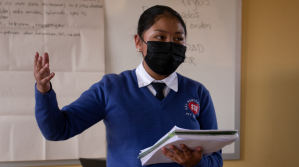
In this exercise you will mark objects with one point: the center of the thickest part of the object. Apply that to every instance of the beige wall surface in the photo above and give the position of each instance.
(269, 84)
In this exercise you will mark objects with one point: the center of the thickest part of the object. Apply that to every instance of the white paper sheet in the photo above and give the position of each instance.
(209, 144)
(72, 32)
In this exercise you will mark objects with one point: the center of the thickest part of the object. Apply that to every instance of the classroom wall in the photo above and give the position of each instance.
(269, 84)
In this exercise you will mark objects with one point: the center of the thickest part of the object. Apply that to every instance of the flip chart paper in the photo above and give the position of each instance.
(72, 32)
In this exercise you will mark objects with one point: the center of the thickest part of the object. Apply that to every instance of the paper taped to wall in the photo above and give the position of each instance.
(72, 32)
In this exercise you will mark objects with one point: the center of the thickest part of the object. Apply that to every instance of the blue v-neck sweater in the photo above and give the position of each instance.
(134, 118)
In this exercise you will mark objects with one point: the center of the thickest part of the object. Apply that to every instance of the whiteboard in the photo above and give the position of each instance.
(213, 54)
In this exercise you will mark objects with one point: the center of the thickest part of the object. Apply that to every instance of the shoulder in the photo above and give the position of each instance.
(190, 83)
(112, 83)
(116, 80)
(125, 75)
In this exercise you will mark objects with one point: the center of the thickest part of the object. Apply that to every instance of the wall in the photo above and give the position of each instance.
(270, 84)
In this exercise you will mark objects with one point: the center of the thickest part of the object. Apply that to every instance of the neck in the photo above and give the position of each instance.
(152, 73)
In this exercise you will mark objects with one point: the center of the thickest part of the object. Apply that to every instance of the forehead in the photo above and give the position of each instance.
(167, 23)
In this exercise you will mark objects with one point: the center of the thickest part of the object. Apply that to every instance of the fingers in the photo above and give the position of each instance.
(186, 150)
(41, 67)
(39, 63)
(35, 59)
(198, 152)
(186, 157)
(176, 151)
(43, 70)
(177, 155)
(45, 59)
(47, 79)
(168, 153)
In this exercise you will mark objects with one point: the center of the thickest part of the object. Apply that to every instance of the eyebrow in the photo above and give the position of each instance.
(179, 32)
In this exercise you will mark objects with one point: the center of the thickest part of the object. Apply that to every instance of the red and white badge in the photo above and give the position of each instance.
(192, 105)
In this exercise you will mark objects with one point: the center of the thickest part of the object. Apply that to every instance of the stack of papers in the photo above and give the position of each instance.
(209, 140)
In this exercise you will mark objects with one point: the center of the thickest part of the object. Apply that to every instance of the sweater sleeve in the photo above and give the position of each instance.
(56, 124)
(207, 120)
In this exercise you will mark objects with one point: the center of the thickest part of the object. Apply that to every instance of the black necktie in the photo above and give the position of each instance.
(159, 87)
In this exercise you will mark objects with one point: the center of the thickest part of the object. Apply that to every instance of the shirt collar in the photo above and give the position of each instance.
(144, 79)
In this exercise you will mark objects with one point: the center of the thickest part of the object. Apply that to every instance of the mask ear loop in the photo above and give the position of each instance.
(142, 39)
(144, 42)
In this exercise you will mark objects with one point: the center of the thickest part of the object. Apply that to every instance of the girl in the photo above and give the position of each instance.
(138, 106)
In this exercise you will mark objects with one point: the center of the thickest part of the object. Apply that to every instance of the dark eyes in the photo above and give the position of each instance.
(160, 37)
(177, 39)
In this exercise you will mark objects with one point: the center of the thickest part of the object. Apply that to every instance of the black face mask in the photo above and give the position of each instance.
(164, 57)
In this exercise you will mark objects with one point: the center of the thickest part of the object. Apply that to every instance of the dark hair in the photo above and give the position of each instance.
(149, 17)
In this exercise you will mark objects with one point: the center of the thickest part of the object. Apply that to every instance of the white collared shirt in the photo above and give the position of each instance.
(144, 79)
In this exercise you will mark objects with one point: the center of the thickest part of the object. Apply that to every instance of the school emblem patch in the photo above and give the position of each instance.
(192, 105)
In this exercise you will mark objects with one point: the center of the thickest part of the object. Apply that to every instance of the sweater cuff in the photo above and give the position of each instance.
(49, 92)
(202, 162)
(42, 98)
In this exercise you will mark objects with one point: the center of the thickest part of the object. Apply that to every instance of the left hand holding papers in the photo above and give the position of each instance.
(187, 157)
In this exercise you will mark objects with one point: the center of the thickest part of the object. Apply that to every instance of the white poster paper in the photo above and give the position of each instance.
(72, 32)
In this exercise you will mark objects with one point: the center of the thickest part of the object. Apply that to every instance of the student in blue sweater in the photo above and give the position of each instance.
(151, 98)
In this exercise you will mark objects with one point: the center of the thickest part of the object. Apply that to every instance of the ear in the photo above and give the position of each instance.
(138, 42)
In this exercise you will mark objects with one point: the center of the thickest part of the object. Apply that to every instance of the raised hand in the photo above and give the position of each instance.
(187, 157)
(42, 72)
